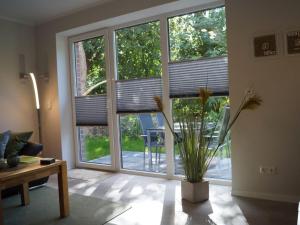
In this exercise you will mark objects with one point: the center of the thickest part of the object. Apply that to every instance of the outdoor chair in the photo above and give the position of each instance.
(161, 124)
(153, 136)
(160, 120)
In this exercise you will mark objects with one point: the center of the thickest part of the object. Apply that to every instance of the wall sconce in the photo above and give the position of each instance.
(23, 76)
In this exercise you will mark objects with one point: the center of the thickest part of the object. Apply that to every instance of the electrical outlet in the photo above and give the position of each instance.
(268, 170)
(272, 170)
(262, 170)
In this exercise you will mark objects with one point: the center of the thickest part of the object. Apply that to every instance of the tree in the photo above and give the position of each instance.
(191, 36)
(95, 61)
(196, 35)
(138, 51)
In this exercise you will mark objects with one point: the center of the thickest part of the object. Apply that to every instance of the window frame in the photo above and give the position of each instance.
(111, 101)
(72, 41)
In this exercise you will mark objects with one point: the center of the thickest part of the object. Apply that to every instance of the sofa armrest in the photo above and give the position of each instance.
(31, 149)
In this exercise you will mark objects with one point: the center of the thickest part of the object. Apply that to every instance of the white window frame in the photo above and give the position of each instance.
(99, 33)
(112, 77)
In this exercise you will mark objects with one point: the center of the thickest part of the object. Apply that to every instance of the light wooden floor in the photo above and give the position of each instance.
(157, 201)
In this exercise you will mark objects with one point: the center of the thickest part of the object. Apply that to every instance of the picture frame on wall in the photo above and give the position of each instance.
(292, 42)
(266, 46)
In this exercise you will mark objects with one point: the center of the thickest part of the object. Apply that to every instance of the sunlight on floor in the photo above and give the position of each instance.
(156, 201)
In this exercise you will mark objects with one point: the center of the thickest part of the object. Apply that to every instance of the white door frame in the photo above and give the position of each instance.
(72, 40)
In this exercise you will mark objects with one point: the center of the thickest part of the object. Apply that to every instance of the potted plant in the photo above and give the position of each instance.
(196, 138)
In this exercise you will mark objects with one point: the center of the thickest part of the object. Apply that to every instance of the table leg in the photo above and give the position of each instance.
(25, 194)
(63, 190)
(149, 149)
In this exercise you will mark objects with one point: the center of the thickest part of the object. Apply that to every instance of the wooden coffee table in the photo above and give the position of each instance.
(24, 173)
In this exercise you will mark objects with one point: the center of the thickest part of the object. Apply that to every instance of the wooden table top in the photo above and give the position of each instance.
(26, 169)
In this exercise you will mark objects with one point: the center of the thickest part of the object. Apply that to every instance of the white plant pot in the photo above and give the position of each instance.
(195, 192)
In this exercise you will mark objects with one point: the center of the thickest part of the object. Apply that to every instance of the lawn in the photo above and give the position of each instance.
(97, 147)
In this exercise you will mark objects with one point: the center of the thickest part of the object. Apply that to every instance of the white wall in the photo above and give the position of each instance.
(268, 136)
(17, 107)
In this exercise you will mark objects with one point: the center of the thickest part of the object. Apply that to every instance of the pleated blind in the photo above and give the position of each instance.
(137, 95)
(186, 78)
(91, 110)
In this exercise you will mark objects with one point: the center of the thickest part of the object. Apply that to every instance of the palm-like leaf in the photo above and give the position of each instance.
(196, 133)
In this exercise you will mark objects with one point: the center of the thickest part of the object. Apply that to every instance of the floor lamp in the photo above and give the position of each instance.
(25, 75)
(37, 103)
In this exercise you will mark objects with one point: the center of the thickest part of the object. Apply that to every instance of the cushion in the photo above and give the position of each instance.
(16, 142)
(4, 137)
(31, 149)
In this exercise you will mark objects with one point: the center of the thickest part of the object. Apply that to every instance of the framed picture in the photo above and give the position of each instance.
(292, 42)
(265, 45)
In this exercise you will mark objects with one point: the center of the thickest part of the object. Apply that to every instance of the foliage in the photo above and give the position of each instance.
(195, 140)
(96, 147)
(191, 36)
(132, 144)
(138, 55)
(191, 105)
(138, 51)
(130, 126)
(95, 62)
(199, 34)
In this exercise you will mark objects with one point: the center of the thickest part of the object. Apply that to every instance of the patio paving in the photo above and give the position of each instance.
(220, 168)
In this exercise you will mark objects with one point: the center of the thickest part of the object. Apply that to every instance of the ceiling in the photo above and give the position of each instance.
(35, 12)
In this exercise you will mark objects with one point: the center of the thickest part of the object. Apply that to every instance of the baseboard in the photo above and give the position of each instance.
(266, 196)
(219, 181)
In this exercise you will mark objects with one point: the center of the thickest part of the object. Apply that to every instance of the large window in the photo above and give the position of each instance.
(91, 109)
(123, 89)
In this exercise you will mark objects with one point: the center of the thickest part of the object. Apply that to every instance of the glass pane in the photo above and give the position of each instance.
(94, 144)
(138, 51)
(196, 35)
(90, 81)
(220, 167)
(142, 142)
(141, 138)
(90, 67)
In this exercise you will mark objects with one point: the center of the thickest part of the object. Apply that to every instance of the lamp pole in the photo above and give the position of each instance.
(39, 125)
